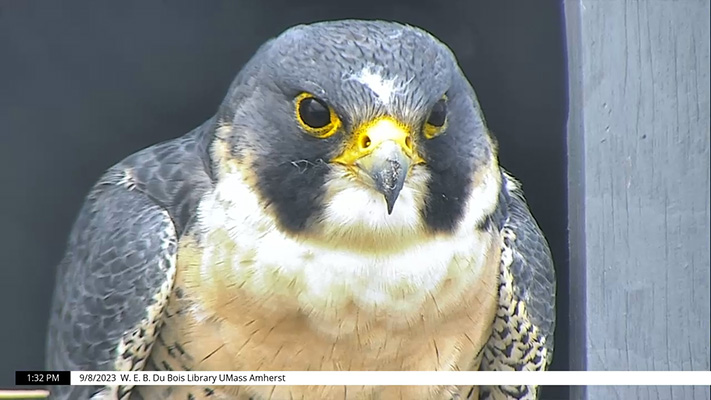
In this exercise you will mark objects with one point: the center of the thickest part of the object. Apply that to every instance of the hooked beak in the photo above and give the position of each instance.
(388, 167)
(383, 151)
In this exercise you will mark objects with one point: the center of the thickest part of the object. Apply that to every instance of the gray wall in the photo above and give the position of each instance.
(638, 141)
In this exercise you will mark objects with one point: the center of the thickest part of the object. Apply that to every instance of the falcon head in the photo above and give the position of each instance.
(345, 129)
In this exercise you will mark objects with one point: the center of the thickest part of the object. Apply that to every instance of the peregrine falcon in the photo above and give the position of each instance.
(344, 209)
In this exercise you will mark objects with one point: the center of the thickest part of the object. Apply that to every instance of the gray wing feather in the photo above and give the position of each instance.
(117, 267)
(532, 267)
(522, 332)
(112, 272)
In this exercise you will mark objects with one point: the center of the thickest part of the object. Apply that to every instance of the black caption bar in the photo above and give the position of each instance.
(42, 378)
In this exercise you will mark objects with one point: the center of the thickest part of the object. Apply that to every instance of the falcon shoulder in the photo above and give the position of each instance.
(118, 270)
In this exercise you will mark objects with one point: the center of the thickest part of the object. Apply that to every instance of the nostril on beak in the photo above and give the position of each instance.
(365, 142)
(408, 142)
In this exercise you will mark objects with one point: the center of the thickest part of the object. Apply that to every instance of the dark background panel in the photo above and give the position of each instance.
(84, 84)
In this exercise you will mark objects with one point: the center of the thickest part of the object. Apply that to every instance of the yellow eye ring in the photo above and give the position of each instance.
(437, 119)
(315, 116)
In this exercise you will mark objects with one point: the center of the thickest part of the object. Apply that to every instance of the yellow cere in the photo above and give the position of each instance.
(370, 135)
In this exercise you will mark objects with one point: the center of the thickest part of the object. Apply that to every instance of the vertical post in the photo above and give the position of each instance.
(639, 190)
(576, 197)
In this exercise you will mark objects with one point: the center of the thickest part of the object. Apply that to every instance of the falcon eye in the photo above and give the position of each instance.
(437, 119)
(314, 113)
(438, 114)
(315, 116)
